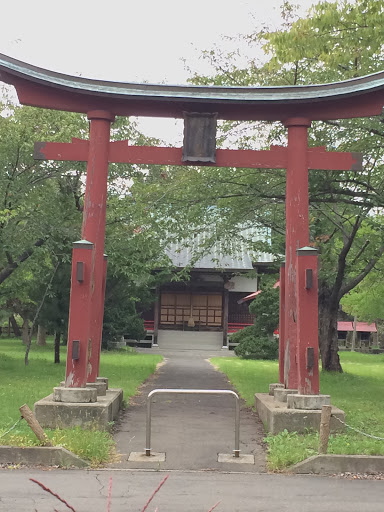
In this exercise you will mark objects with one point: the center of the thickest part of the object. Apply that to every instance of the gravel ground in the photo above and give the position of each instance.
(360, 476)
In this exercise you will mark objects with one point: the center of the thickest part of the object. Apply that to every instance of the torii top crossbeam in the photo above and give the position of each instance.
(359, 97)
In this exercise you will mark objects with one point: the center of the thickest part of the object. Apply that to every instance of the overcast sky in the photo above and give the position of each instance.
(128, 41)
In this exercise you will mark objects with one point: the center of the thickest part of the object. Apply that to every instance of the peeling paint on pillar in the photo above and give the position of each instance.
(93, 229)
(307, 329)
(80, 315)
(297, 229)
(282, 339)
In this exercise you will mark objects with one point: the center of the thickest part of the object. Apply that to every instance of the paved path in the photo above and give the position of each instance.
(191, 429)
(87, 491)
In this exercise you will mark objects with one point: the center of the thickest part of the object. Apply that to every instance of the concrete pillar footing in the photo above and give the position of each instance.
(274, 386)
(101, 387)
(281, 394)
(308, 402)
(103, 379)
(74, 395)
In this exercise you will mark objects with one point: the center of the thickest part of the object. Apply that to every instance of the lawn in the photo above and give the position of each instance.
(26, 384)
(358, 391)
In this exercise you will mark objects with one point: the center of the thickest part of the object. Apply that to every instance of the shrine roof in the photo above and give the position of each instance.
(49, 89)
(360, 326)
(233, 255)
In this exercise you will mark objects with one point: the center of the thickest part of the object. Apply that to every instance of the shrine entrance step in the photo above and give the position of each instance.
(190, 340)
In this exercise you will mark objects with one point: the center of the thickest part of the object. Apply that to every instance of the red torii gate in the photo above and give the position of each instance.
(295, 107)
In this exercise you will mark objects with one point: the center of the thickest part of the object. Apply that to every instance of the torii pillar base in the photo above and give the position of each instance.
(59, 410)
(278, 416)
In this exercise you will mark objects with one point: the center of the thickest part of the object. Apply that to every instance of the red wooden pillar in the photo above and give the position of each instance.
(307, 321)
(297, 233)
(225, 316)
(99, 319)
(282, 325)
(81, 313)
(95, 204)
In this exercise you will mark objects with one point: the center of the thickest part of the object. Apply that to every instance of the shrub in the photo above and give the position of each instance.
(266, 310)
(118, 323)
(253, 346)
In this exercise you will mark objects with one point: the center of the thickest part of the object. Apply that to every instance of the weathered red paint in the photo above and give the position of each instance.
(297, 233)
(282, 324)
(80, 315)
(93, 229)
(99, 320)
(307, 323)
(122, 152)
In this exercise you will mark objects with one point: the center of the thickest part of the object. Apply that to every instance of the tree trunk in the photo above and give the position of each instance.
(57, 347)
(41, 336)
(24, 330)
(328, 342)
(15, 327)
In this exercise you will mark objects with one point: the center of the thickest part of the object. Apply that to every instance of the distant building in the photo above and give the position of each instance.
(366, 335)
(200, 312)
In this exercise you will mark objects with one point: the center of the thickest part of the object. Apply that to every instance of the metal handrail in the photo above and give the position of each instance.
(193, 392)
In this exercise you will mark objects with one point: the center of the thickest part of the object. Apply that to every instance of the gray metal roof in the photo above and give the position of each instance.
(222, 255)
(276, 94)
(48, 89)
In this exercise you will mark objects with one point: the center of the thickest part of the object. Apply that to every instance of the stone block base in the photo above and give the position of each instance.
(281, 394)
(103, 379)
(100, 386)
(100, 414)
(277, 417)
(276, 385)
(311, 402)
(74, 395)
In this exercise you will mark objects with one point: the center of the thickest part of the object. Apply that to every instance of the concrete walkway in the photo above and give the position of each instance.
(191, 429)
(88, 491)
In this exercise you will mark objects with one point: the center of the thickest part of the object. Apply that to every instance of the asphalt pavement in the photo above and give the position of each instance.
(191, 430)
(87, 491)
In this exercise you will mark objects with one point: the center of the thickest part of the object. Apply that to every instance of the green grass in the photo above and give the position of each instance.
(358, 391)
(26, 384)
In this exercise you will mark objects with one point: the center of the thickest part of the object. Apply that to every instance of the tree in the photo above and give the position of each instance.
(366, 301)
(54, 311)
(41, 207)
(336, 41)
(39, 201)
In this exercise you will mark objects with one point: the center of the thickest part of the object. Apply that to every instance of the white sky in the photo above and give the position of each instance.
(129, 41)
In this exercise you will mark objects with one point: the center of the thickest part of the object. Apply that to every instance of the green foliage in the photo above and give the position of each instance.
(120, 320)
(345, 37)
(41, 206)
(252, 345)
(249, 377)
(257, 341)
(265, 307)
(95, 446)
(279, 457)
(366, 301)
